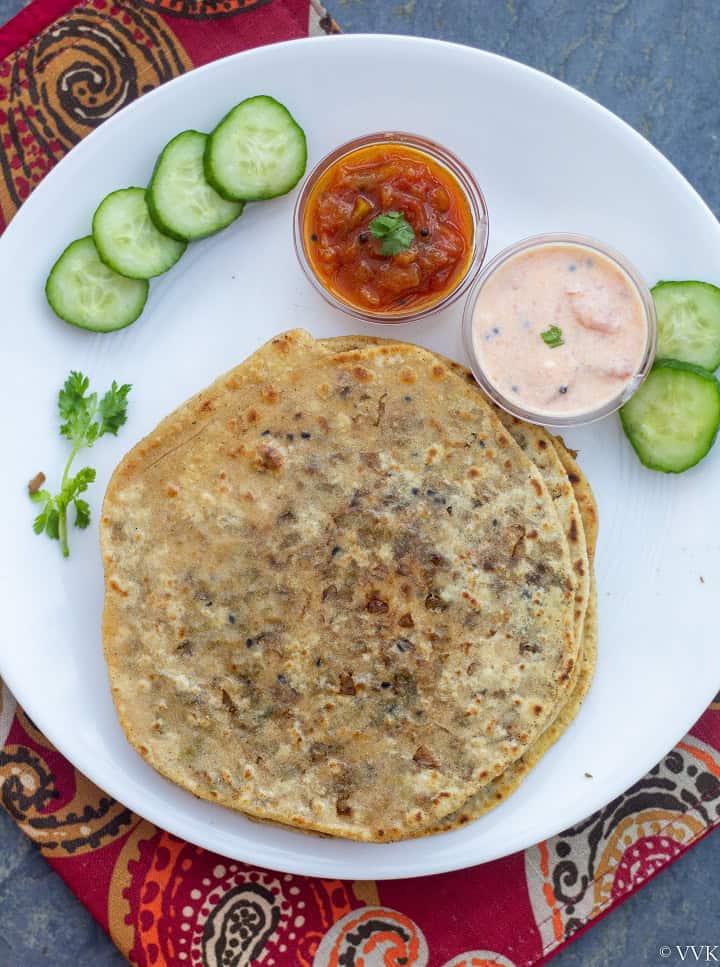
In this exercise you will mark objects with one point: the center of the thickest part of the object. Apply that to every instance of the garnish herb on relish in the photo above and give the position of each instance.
(84, 420)
(395, 231)
(552, 337)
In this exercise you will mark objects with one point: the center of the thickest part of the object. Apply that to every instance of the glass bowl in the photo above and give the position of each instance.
(591, 413)
(462, 176)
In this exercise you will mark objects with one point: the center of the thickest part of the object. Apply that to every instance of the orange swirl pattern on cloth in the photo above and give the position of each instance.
(203, 9)
(79, 72)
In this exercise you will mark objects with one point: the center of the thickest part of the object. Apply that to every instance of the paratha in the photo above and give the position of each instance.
(338, 594)
(576, 508)
(499, 789)
(539, 445)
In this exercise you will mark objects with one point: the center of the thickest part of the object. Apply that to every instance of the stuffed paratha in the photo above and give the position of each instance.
(338, 595)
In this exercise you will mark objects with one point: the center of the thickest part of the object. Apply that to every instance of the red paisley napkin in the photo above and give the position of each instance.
(63, 69)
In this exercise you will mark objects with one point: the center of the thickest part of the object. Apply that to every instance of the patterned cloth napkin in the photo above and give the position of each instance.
(64, 68)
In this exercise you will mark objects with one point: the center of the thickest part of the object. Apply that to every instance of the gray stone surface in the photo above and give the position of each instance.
(655, 63)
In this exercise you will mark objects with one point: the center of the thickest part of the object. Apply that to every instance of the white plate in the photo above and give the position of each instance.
(548, 159)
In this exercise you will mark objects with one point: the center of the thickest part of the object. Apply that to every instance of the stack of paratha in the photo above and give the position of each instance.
(345, 594)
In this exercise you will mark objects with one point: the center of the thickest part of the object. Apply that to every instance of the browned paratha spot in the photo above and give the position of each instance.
(406, 621)
(207, 406)
(537, 486)
(407, 375)
(270, 394)
(284, 343)
(439, 372)
(171, 490)
(116, 587)
(269, 457)
(578, 566)
(323, 391)
(343, 808)
(502, 440)
(542, 444)
(537, 709)
(431, 454)
(347, 685)
(228, 703)
(252, 415)
(435, 602)
(424, 758)
(363, 375)
(508, 465)
(573, 478)
(532, 535)
(473, 473)
(573, 530)
(376, 605)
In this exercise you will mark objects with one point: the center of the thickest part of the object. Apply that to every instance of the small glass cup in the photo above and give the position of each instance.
(545, 418)
(469, 187)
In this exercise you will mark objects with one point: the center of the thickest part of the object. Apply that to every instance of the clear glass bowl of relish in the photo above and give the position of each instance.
(391, 227)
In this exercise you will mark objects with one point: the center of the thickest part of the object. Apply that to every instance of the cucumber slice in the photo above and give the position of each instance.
(673, 419)
(83, 291)
(257, 151)
(688, 322)
(181, 202)
(127, 239)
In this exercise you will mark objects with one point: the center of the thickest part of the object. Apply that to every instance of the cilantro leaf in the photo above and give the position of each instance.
(52, 525)
(47, 520)
(79, 483)
(395, 231)
(82, 513)
(40, 521)
(76, 408)
(113, 408)
(552, 337)
(83, 421)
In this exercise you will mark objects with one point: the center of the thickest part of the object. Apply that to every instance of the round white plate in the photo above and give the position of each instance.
(548, 160)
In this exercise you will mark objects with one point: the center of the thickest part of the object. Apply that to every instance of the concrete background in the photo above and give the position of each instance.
(656, 64)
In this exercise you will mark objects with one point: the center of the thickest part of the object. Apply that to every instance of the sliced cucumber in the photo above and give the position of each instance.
(181, 202)
(257, 151)
(673, 419)
(689, 322)
(82, 290)
(127, 239)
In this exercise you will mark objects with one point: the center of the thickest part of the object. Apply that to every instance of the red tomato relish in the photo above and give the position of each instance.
(346, 256)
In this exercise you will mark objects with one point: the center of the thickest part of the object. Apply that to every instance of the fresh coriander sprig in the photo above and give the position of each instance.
(552, 337)
(85, 418)
(395, 231)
